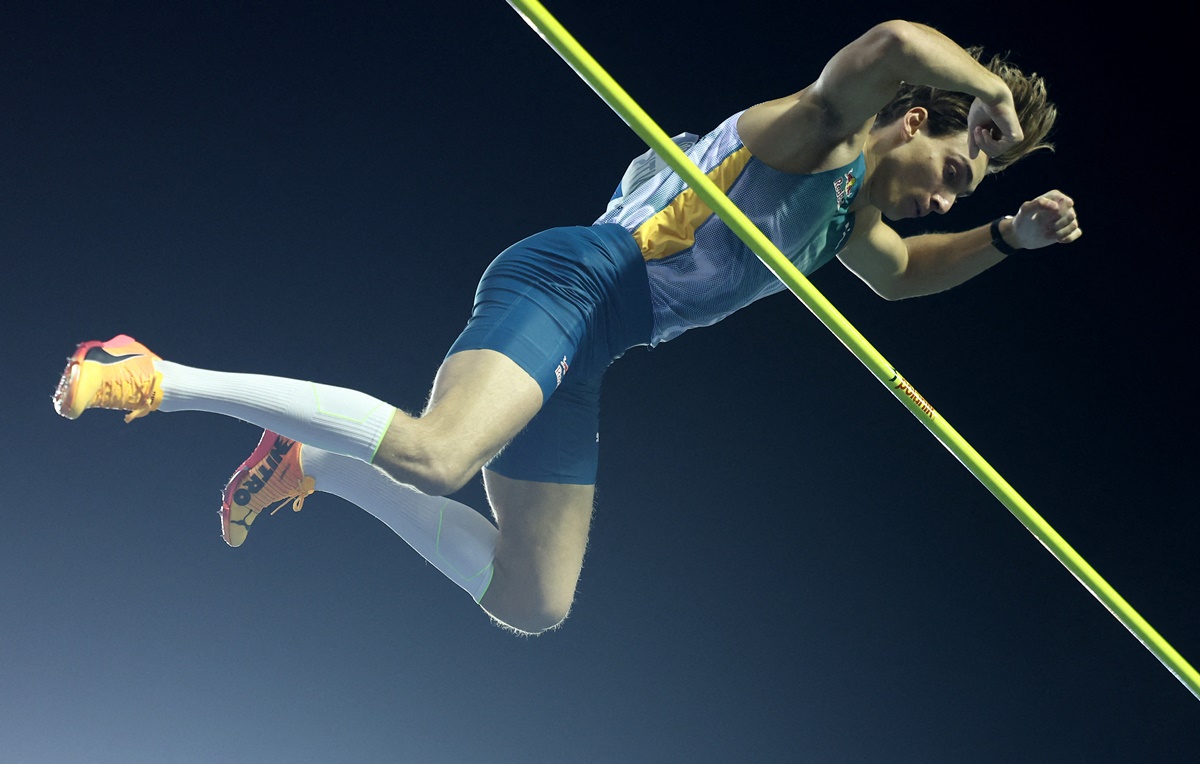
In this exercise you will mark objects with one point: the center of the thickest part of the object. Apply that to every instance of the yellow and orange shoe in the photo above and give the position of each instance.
(118, 374)
(273, 476)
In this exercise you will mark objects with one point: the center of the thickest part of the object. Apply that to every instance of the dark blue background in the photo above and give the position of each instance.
(785, 566)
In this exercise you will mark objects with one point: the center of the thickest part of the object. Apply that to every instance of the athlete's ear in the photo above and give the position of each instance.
(912, 121)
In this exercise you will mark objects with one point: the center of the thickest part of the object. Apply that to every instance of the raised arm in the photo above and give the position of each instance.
(827, 122)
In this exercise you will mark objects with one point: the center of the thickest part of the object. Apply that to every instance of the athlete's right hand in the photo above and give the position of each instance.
(1048, 219)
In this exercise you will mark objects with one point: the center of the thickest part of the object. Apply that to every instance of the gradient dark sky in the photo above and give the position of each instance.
(785, 566)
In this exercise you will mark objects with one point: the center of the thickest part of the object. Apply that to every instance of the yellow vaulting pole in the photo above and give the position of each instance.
(615, 96)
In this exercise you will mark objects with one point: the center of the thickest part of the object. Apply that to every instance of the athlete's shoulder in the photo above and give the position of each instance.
(798, 134)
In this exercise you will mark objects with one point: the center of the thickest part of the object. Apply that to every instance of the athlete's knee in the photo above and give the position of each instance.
(433, 465)
(535, 618)
(528, 602)
(442, 477)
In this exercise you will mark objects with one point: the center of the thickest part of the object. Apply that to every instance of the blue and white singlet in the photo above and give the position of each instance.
(699, 270)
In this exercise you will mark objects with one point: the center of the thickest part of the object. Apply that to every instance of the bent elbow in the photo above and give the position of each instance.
(905, 289)
(891, 289)
(892, 38)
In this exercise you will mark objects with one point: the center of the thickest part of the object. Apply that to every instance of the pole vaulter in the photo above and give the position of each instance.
(536, 15)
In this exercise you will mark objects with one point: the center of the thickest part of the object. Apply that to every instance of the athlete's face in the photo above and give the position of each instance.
(921, 174)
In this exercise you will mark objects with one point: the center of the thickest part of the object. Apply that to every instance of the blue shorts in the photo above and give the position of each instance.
(563, 304)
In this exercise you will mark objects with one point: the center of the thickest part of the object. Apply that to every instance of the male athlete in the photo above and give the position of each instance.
(901, 123)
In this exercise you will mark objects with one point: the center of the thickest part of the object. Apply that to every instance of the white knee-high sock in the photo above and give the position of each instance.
(333, 418)
(456, 539)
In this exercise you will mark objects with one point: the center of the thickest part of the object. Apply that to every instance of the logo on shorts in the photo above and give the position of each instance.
(560, 371)
(844, 187)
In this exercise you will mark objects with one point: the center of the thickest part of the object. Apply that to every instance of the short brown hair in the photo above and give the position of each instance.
(948, 110)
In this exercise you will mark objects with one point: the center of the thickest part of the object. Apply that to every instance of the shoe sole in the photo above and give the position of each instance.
(260, 452)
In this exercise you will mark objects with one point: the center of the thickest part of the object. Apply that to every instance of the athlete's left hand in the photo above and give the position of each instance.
(993, 128)
(1048, 219)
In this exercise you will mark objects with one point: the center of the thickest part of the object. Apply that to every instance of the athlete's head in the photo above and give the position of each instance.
(948, 110)
(924, 165)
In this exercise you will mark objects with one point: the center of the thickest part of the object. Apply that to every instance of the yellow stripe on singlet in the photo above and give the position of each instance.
(673, 228)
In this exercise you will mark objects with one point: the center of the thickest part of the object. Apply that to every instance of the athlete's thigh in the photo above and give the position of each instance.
(482, 399)
(543, 536)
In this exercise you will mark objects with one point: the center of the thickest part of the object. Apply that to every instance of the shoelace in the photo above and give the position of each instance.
(118, 391)
(307, 488)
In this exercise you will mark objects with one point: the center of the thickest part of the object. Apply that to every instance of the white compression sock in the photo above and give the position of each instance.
(334, 418)
(456, 539)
